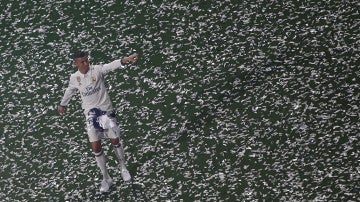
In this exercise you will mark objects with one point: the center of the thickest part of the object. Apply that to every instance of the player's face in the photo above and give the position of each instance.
(82, 64)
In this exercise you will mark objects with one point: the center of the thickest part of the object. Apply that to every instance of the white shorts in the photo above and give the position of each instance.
(95, 134)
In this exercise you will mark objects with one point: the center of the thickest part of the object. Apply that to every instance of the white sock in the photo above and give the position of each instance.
(119, 152)
(101, 162)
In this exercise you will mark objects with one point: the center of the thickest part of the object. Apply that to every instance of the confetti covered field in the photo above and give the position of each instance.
(229, 101)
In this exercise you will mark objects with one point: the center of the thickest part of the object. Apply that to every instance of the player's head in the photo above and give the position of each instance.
(81, 61)
(79, 54)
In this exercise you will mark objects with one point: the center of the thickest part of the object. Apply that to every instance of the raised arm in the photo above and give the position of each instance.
(119, 63)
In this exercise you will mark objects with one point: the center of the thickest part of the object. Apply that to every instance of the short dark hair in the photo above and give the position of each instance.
(79, 54)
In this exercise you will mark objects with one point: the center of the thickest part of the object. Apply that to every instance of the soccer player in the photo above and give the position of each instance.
(98, 110)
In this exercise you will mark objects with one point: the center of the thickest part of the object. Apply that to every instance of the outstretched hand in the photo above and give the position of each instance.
(131, 58)
(61, 109)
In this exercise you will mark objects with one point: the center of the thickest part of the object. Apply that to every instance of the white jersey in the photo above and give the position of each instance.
(91, 87)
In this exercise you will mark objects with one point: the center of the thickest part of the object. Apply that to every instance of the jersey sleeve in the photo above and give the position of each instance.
(69, 92)
(106, 68)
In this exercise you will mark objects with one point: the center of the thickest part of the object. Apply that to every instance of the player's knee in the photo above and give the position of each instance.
(114, 141)
(96, 146)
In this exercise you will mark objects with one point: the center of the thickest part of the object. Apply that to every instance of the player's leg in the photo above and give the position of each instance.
(114, 135)
(120, 154)
(100, 158)
(119, 151)
(95, 142)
